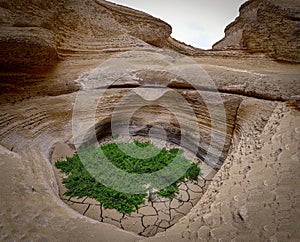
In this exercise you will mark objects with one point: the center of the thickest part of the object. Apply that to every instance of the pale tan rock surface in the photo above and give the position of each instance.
(254, 196)
(267, 26)
(46, 47)
(64, 27)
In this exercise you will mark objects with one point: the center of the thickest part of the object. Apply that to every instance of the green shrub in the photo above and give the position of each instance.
(80, 183)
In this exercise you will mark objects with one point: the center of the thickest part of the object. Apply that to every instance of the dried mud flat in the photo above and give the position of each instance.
(154, 216)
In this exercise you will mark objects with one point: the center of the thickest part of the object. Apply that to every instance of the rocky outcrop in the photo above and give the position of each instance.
(27, 49)
(37, 37)
(266, 26)
(34, 33)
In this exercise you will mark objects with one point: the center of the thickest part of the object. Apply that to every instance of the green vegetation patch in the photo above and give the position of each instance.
(80, 183)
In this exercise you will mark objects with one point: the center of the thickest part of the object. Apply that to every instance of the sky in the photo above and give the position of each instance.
(200, 23)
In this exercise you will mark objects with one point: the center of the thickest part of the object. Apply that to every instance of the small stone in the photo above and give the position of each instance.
(113, 222)
(175, 216)
(86, 201)
(194, 197)
(201, 182)
(79, 207)
(185, 208)
(183, 186)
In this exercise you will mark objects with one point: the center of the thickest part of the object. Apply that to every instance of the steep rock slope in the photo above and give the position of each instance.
(35, 33)
(41, 42)
(268, 26)
(255, 195)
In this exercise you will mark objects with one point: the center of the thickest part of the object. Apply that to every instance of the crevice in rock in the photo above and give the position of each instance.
(241, 93)
(234, 129)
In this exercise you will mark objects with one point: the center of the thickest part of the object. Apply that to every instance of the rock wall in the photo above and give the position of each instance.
(267, 26)
(34, 33)
(39, 38)
(254, 195)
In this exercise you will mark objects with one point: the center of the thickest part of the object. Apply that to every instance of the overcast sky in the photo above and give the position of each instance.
(200, 23)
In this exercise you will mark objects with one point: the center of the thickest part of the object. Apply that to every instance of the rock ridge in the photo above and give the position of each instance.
(265, 26)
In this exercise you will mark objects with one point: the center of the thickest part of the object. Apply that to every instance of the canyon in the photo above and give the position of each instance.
(64, 63)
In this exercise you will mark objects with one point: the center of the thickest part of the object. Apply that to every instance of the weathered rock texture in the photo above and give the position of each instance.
(34, 34)
(254, 194)
(47, 50)
(267, 26)
(37, 36)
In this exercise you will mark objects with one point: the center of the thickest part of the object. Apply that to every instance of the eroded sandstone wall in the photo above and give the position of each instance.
(47, 45)
(255, 195)
(35, 34)
(267, 26)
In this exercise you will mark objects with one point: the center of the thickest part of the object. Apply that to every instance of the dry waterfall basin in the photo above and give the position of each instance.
(249, 193)
(154, 216)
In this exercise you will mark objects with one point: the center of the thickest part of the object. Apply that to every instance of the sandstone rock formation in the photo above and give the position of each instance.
(57, 28)
(35, 37)
(268, 26)
(54, 53)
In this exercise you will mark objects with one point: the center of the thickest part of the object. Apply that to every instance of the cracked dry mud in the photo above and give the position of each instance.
(154, 216)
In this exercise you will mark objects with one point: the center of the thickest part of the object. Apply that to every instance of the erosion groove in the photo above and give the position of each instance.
(234, 92)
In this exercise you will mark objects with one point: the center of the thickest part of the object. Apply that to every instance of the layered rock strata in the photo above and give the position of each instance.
(270, 27)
